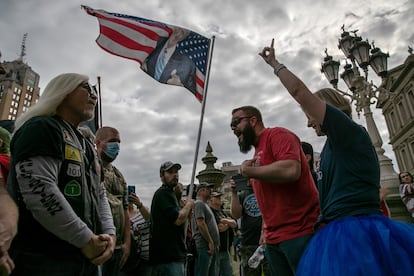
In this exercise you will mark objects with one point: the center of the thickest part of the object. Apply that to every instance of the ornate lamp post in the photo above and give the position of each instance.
(364, 93)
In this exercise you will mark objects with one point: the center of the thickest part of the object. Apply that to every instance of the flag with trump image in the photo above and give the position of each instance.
(168, 53)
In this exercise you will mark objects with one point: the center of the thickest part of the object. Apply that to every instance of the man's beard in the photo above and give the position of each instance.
(171, 183)
(248, 139)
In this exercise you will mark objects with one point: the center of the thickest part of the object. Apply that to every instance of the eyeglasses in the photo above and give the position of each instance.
(235, 122)
(87, 87)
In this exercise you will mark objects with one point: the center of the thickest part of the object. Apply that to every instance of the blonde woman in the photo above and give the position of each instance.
(354, 238)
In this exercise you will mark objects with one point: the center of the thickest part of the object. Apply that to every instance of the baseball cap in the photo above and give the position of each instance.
(216, 194)
(204, 185)
(169, 165)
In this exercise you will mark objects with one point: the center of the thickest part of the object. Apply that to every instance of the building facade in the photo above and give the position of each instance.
(397, 103)
(19, 89)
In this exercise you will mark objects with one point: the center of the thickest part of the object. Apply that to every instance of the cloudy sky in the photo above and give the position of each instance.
(159, 122)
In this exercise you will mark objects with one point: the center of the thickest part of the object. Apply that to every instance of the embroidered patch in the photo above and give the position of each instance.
(74, 170)
(72, 153)
(72, 188)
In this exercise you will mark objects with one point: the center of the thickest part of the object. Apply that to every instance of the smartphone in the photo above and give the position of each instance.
(131, 189)
(241, 182)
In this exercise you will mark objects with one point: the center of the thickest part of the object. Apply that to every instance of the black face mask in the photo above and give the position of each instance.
(248, 139)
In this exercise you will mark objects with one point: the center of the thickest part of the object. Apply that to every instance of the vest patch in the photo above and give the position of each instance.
(74, 170)
(72, 153)
(72, 188)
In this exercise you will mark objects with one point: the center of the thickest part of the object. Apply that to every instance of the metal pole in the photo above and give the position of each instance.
(201, 117)
(388, 178)
(190, 192)
(99, 102)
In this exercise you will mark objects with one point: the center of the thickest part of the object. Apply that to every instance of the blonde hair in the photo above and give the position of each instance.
(55, 92)
(332, 97)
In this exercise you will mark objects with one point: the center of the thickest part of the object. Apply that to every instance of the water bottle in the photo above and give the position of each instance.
(257, 257)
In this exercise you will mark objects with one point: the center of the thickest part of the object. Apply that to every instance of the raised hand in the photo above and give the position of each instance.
(268, 54)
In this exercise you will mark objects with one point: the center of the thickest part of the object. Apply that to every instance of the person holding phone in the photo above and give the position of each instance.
(241, 183)
(139, 216)
(108, 145)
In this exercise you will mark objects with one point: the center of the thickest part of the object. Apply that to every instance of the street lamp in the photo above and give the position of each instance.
(364, 93)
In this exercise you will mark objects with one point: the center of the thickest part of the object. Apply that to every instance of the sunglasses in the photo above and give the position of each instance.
(87, 87)
(236, 121)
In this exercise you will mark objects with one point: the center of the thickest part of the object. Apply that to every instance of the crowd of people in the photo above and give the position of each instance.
(66, 209)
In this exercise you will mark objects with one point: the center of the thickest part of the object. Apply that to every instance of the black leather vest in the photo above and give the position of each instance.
(78, 180)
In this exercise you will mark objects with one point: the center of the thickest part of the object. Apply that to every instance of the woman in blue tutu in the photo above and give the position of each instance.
(353, 236)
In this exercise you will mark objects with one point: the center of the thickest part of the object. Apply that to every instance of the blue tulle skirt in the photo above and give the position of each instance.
(362, 245)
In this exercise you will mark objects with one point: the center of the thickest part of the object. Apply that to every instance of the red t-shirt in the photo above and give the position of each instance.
(289, 210)
(4, 167)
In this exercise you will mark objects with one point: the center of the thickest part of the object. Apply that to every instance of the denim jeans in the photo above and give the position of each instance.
(38, 264)
(169, 269)
(225, 268)
(283, 258)
(206, 264)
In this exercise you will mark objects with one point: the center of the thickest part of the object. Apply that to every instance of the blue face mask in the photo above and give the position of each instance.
(112, 149)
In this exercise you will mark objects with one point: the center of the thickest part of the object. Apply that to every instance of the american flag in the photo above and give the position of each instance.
(136, 38)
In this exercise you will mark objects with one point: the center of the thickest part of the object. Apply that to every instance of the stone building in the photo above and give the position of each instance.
(397, 103)
(19, 87)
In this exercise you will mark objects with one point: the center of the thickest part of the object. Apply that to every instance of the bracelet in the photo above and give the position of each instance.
(140, 206)
(278, 67)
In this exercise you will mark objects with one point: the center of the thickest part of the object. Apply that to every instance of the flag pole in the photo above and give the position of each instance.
(203, 106)
(190, 193)
(99, 102)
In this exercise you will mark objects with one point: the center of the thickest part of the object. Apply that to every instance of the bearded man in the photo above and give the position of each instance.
(283, 185)
(168, 251)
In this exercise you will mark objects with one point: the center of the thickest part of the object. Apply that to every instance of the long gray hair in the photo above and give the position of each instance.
(55, 92)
